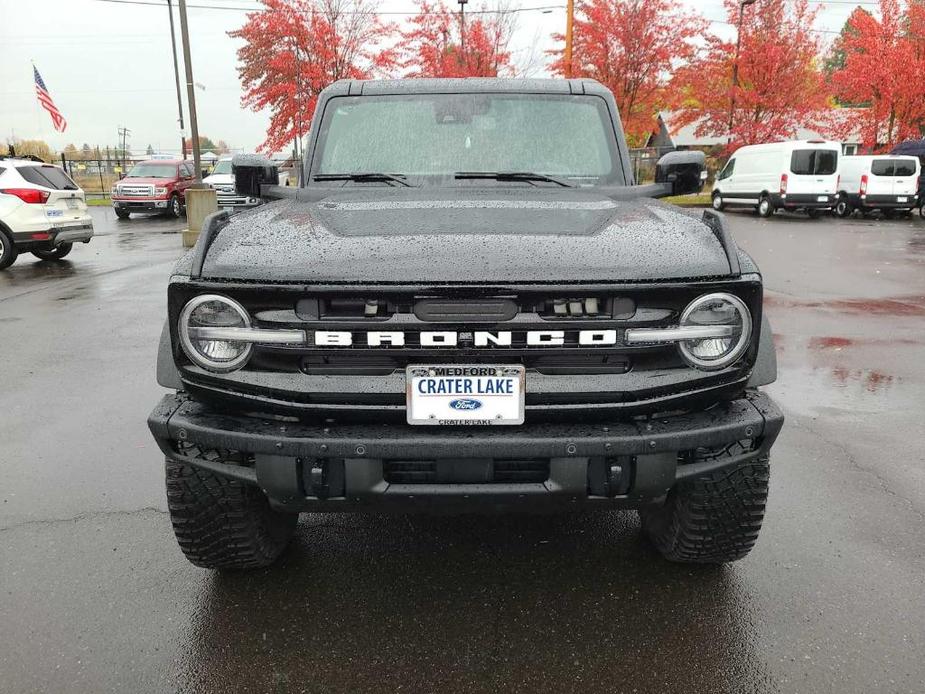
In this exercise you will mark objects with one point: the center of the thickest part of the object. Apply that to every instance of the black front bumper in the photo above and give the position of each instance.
(329, 467)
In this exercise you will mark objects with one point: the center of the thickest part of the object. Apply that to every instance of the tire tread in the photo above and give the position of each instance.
(222, 523)
(714, 518)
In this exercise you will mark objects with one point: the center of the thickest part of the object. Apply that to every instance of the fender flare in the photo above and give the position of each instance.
(765, 371)
(167, 374)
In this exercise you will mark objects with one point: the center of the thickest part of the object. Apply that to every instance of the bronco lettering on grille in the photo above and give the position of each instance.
(479, 338)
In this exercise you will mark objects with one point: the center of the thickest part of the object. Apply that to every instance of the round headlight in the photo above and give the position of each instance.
(716, 310)
(213, 311)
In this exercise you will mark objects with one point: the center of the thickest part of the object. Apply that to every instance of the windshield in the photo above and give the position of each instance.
(431, 137)
(153, 171)
(223, 167)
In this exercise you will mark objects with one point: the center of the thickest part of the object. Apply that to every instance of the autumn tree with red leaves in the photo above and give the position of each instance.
(883, 66)
(438, 45)
(295, 48)
(780, 85)
(631, 46)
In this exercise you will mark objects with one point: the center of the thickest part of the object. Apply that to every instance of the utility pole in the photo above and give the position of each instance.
(462, 28)
(298, 95)
(123, 132)
(190, 93)
(176, 78)
(735, 64)
(569, 21)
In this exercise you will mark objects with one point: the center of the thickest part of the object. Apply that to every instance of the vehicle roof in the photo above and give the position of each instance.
(788, 144)
(911, 148)
(164, 161)
(871, 157)
(468, 85)
(26, 162)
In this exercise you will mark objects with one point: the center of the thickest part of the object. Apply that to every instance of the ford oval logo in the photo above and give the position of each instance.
(467, 404)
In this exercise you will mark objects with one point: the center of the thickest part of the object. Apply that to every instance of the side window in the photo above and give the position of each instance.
(728, 169)
(186, 171)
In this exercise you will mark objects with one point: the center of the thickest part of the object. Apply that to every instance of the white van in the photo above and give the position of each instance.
(885, 182)
(799, 175)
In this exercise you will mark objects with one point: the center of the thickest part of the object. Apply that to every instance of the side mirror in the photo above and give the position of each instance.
(121, 175)
(251, 172)
(685, 172)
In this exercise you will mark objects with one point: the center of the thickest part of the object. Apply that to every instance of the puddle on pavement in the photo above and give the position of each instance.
(826, 373)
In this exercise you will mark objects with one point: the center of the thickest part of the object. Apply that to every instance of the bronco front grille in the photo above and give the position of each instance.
(357, 378)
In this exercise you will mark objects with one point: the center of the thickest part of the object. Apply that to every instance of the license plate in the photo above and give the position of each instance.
(902, 199)
(460, 395)
(822, 198)
(71, 203)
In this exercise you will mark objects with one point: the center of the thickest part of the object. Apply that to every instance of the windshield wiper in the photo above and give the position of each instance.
(525, 176)
(363, 177)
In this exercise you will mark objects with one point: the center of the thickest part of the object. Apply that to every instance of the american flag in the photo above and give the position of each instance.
(47, 103)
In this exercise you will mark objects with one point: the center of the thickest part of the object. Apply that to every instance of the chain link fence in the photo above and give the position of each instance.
(97, 176)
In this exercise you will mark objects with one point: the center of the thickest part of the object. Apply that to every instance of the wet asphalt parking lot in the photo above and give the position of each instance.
(95, 595)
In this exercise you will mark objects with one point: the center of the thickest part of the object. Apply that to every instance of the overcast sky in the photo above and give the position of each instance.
(108, 65)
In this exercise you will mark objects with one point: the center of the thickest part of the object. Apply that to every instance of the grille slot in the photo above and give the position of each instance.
(465, 471)
(465, 311)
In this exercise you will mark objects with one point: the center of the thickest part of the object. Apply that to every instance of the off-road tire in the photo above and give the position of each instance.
(55, 253)
(843, 208)
(122, 214)
(765, 207)
(8, 251)
(711, 519)
(717, 201)
(221, 523)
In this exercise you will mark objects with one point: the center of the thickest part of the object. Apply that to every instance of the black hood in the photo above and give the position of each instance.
(465, 235)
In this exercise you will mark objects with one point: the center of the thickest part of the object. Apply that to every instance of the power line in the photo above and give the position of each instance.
(154, 3)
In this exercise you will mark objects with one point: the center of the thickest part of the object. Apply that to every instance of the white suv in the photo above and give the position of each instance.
(41, 210)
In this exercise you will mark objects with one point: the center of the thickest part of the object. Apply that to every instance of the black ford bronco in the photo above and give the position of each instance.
(470, 305)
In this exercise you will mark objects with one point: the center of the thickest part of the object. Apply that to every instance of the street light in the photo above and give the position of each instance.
(735, 62)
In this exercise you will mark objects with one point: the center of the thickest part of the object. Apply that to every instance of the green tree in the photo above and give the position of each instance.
(37, 148)
(149, 151)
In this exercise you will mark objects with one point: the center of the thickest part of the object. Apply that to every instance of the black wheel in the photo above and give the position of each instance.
(765, 207)
(843, 208)
(55, 253)
(222, 523)
(175, 206)
(8, 251)
(121, 214)
(813, 214)
(718, 203)
(712, 519)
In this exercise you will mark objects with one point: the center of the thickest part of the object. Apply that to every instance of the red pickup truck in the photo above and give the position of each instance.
(153, 186)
